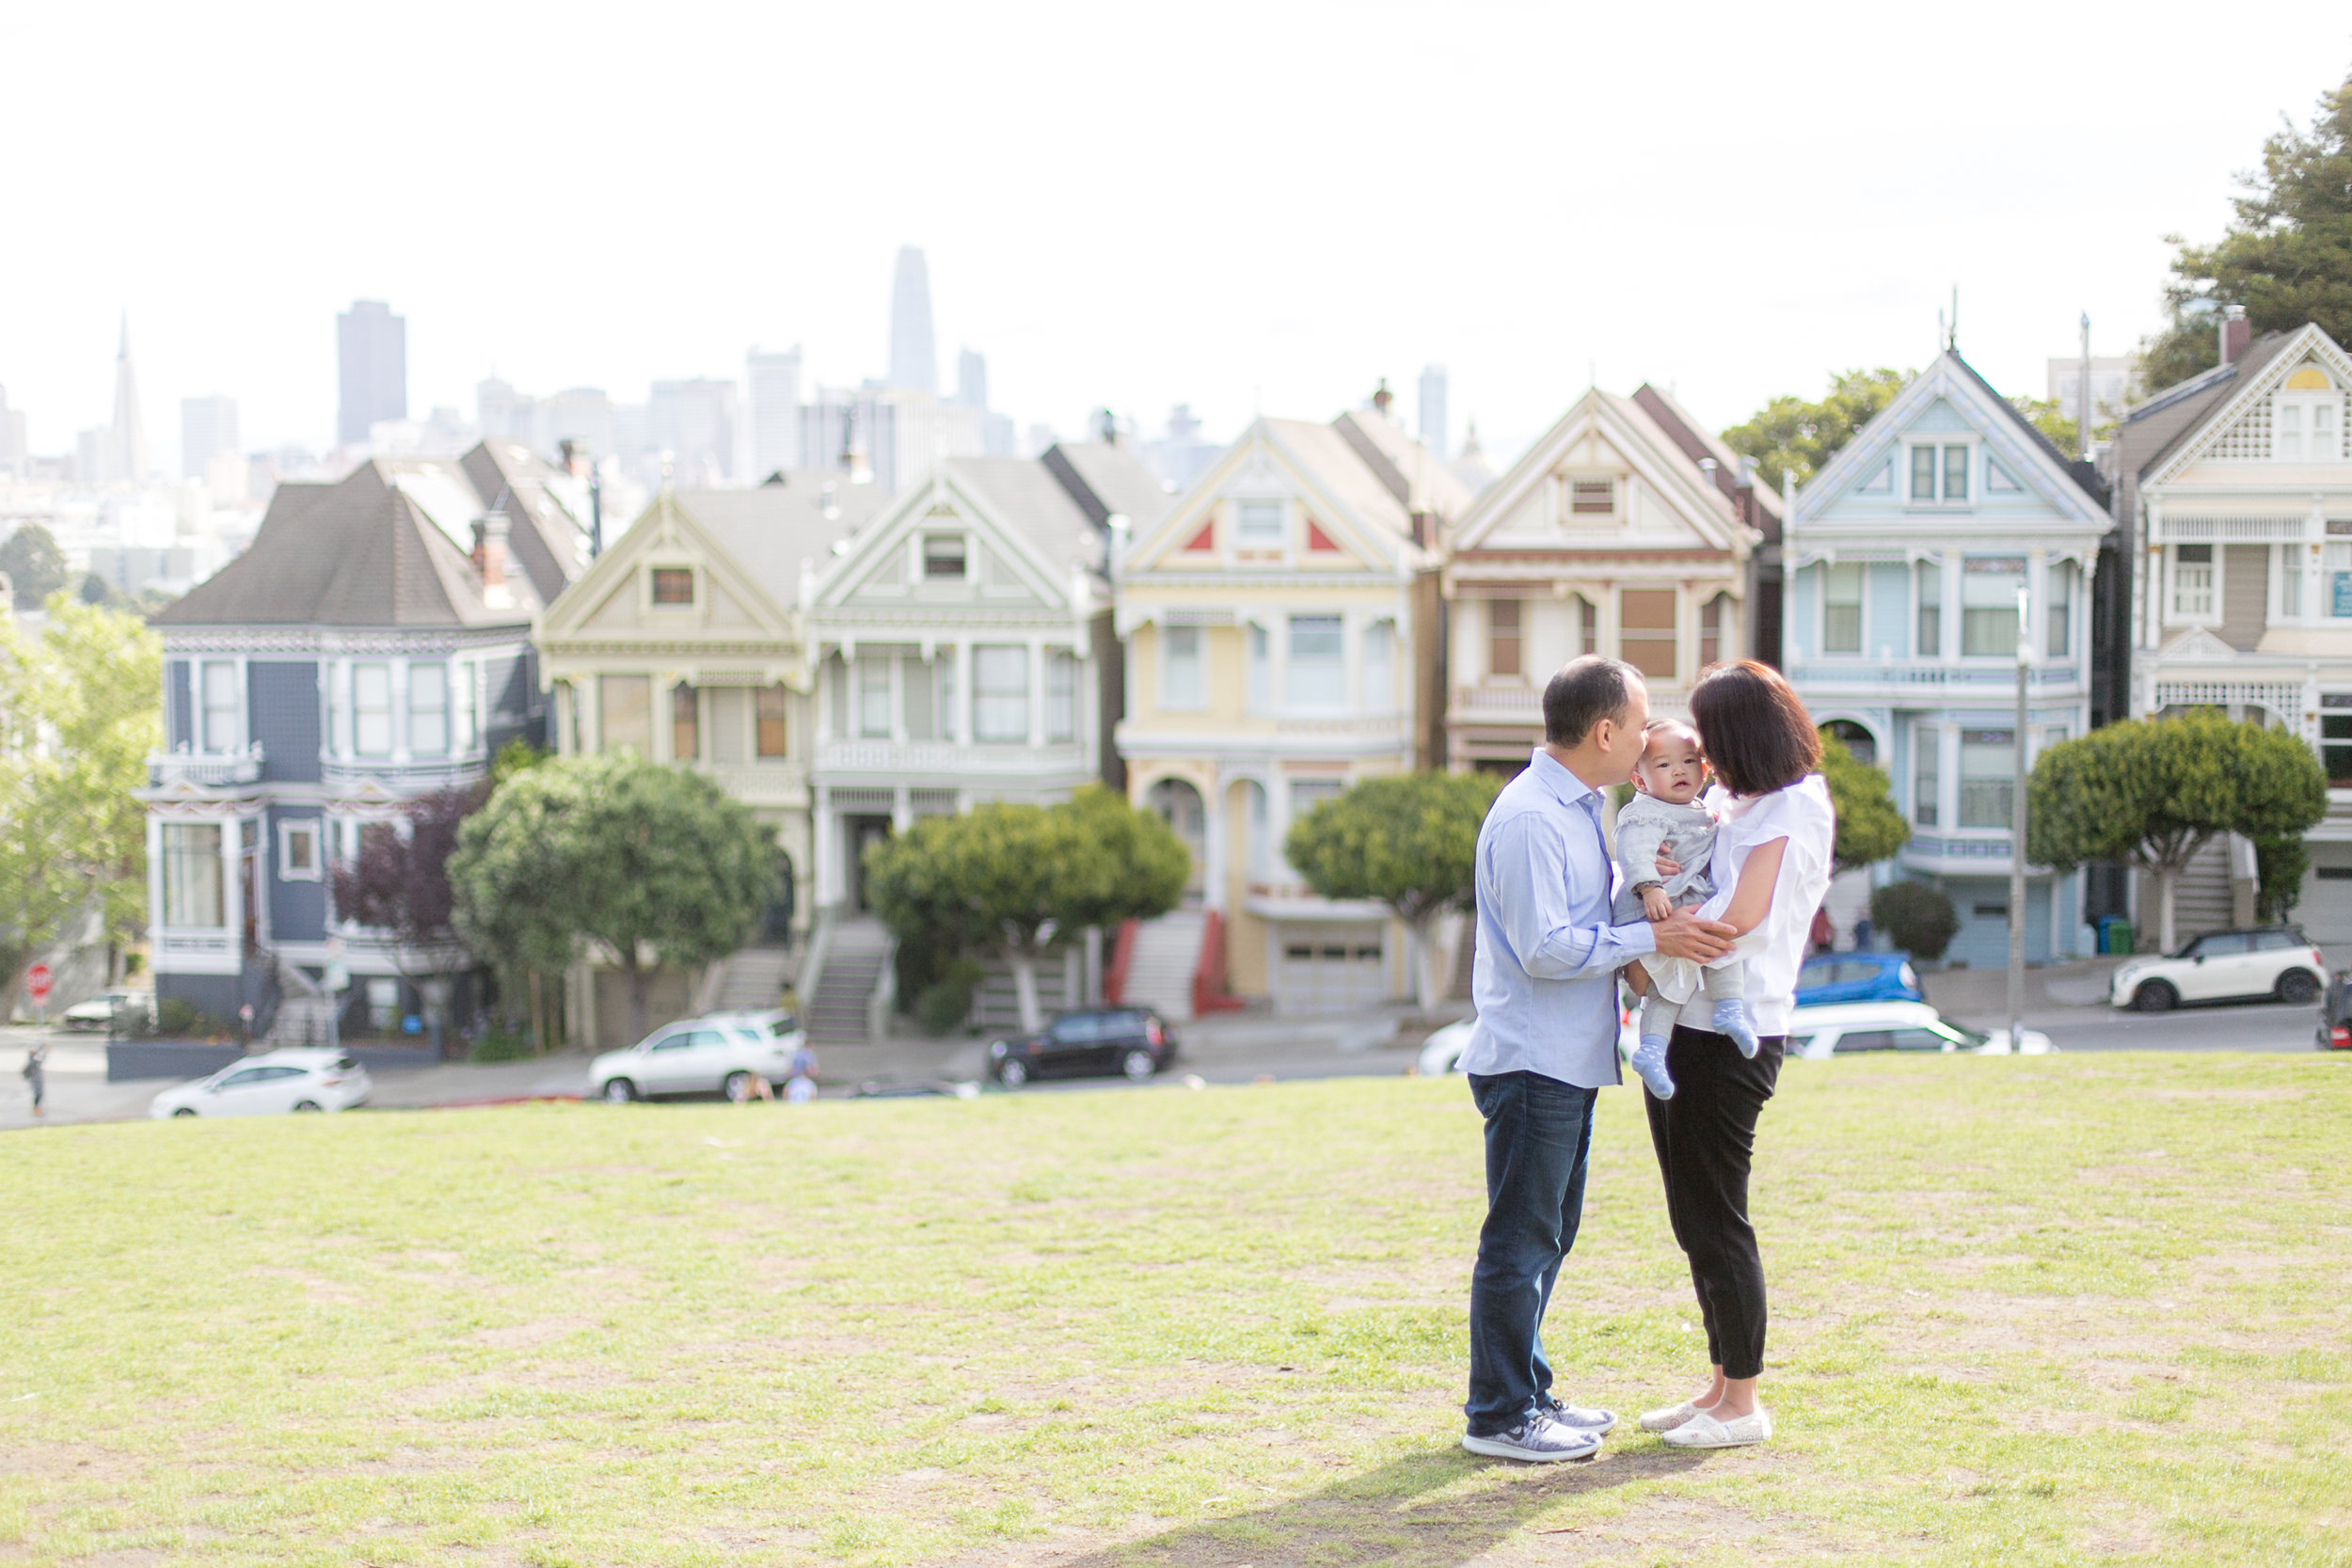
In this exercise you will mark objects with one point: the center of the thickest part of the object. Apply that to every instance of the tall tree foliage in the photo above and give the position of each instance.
(1869, 828)
(2286, 258)
(656, 866)
(1410, 841)
(35, 565)
(1017, 882)
(79, 712)
(2152, 791)
(1791, 437)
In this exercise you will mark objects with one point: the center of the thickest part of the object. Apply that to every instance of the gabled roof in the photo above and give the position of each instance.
(2227, 399)
(549, 542)
(1641, 440)
(366, 551)
(1106, 480)
(1410, 470)
(1333, 460)
(1341, 490)
(2064, 484)
(1697, 441)
(1020, 500)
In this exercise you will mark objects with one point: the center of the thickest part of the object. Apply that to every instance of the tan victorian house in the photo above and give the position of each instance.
(1607, 536)
(1273, 621)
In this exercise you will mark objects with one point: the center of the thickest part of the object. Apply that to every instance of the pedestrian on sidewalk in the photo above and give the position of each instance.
(801, 1087)
(36, 1074)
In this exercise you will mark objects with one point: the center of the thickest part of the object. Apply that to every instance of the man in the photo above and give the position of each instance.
(1544, 981)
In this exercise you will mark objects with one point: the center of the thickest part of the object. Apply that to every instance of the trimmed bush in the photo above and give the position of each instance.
(1917, 918)
(502, 1045)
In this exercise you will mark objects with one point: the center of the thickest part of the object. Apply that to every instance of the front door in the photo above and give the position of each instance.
(861, 832)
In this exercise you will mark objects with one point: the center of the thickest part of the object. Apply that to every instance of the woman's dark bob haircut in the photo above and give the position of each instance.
(1756, 730)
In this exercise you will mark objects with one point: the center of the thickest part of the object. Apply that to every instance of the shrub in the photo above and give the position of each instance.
(1917, 918)
(943, 1005)
(177, 1015)
(502, 1045)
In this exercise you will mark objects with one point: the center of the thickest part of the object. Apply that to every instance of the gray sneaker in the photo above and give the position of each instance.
(1538, 1440)
(1582, 1416)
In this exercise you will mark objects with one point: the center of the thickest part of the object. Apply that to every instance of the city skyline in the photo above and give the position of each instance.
(1523, 287)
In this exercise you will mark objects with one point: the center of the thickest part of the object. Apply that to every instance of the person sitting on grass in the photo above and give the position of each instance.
(1666, 816)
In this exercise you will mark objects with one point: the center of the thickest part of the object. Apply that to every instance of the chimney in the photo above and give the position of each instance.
(489, 559)
(1711, 471)
(2236, 331)
(1382, 398)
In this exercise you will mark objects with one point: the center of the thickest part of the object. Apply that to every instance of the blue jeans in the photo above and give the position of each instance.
(1539, 1134)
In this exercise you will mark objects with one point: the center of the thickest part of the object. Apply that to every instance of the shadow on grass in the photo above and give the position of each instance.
(1390, 1515)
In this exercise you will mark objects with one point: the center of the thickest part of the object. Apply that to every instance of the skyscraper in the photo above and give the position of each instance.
(771, 425)
(913, 360)
(1433, 425)
(208, 429)
(12, 453)
(372, 359)
(694, 423)
(971, 379)
(126, 444)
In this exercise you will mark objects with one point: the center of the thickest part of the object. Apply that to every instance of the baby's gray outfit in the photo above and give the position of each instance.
(1687, 833)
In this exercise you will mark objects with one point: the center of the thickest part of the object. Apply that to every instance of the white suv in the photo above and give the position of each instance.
(720, 1053)
(2278, 963)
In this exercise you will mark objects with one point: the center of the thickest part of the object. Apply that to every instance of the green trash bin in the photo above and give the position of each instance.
(2115, 936)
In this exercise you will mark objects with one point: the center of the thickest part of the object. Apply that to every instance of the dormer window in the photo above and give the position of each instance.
(1258, 525)
(944, 558)
(1592, 497)
(673, 585)
(1939, 474)
(2306, 424)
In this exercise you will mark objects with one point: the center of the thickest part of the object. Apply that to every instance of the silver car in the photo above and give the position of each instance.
(724, 1054)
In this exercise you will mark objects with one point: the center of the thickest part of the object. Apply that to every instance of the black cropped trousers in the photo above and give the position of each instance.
(1705, 1136)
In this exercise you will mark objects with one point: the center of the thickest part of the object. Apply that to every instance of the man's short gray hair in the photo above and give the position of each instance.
(1585, 691)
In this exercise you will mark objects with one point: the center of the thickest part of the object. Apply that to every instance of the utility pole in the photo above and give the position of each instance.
(2082, 398)
(2017, 841)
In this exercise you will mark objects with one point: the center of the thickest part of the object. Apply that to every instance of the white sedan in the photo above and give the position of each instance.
(1849, 1028)
(724, 1053)
(2275, 965)
(272, 1084)
(107, 1008)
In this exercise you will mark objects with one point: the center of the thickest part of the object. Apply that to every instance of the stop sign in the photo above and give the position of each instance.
(37, 983)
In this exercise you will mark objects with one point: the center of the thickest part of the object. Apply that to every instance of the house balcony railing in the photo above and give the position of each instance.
(1906, 675)
(417, 776)
(1498, 705)
(205, 769)
(900, 757)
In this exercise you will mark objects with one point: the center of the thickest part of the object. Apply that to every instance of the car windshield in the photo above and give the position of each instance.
(2186, 949)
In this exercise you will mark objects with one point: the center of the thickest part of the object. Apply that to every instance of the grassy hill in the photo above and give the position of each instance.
(2032, 1311)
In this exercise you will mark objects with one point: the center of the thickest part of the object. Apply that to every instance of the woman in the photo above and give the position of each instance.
(1771, 867)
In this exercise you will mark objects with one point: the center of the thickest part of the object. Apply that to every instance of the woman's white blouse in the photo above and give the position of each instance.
(1774, 950)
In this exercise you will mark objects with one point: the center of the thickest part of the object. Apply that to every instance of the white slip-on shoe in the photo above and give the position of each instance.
(1707, 1432)
(1668, 1418)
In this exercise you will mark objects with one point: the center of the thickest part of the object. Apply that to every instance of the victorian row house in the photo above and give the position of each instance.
(2233, 500)
(372, 645)
(1906, 555)
(1279, 620)
(845, 661)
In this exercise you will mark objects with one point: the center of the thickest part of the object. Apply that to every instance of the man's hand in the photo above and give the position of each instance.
(1655, 904)
(1683, 935)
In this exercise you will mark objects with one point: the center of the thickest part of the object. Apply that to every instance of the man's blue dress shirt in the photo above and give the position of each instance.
(1544, 976)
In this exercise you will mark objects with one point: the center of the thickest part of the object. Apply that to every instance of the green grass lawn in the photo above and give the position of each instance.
(2025, 1311)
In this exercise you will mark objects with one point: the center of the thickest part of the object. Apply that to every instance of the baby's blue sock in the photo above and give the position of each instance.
(1649, 1060)
(1731, 1017)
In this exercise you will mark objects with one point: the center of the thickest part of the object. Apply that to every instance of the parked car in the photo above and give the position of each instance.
(722, 1054)
(1832, 978)
(2335, 1016)
(1093, 1043)
(303, 1078)
(1845, 1029)
(2276, 963)
(102, 1011)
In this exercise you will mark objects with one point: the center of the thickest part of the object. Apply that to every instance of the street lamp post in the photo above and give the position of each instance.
(2017, 841)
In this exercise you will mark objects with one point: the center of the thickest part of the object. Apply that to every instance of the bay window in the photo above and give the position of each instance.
(1061, 696)
(1988, 777)
(428, 710)
(1841, 608)
(873, 696)
(2057, 619)
(1988, 603)
(192, 878)
(1646, 631)
(1927, 774)
(1929, 638)
(686, 743)
(1318, 664)
(220, 706)
(1380, 667)
(371, 709)
(1183, 686)
(1000, 693)
(2192, 583)
(768, 722)
(1504, 644)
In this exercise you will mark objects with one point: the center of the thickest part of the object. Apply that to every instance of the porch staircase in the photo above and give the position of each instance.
(853, 963)
(750, 980)
(1159, 975)
(304, 1015)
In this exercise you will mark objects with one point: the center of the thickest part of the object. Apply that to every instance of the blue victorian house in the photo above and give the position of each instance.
(1904, 555)
(371, 646)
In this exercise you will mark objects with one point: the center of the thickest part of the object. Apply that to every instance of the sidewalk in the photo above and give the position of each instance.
(1980, 996)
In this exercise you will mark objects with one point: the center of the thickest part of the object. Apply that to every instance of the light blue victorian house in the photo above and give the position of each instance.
(1904, 556)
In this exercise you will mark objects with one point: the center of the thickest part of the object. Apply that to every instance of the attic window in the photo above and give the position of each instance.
(1593, 497)
(673, 585)
(1259, 524)
(942, 557)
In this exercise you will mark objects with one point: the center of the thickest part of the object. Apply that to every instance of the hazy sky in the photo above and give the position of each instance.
(1245, 206)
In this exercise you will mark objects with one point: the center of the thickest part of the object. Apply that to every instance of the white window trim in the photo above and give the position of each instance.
(1956, 607)
(287, 828)
(1251, 553)
(2164, 604)
(919, 549)
(645, 586)
(1283, 701)
(1862, 608)
(240, 691)
(1975, 472)
(2306, 398)
(1941, 565)
(1933, 731)
(1200, 657)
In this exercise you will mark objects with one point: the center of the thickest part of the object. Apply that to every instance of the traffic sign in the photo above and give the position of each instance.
(36, 984)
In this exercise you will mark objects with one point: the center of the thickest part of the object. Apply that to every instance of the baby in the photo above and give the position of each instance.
(1665, 814)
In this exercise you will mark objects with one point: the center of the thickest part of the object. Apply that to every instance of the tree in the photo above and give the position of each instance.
(655, 866)
(2151, 791)
(79, 713)
(400, 884)
(1016, 882)
(34, 566)
(2279, 861)
(1869, 828)
(1410, 841)
(1917, 918)
(1790, 435)
(2287, 258)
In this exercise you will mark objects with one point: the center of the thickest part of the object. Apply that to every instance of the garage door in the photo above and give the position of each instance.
(1331, 970)
(2325, 911)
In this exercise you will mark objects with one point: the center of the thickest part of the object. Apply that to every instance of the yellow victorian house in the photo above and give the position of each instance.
(1272, 638)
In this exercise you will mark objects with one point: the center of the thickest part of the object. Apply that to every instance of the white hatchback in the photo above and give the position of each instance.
(722, 1054)
(275, 1082)
(2275, 965)
(1849, 1028)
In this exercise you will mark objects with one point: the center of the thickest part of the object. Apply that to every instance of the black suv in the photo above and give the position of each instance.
(1090, 1044)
